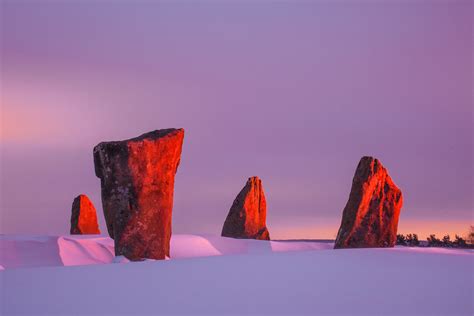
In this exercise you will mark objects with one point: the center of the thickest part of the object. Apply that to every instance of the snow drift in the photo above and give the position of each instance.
(38, 251)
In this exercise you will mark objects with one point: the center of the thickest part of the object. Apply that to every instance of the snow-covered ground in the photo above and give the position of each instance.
(18, 251)
(65, 275)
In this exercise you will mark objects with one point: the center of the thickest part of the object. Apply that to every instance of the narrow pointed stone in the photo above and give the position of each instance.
(247, 216)
(370, 218)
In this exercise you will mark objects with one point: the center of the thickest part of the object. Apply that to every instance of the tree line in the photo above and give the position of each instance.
(432, 241)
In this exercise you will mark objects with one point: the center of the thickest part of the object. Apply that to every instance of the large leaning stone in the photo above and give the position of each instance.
(83, 217)
(247, 216)
(370, 218)
(137, 180)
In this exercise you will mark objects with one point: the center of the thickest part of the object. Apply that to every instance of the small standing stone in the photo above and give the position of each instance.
(83, 217)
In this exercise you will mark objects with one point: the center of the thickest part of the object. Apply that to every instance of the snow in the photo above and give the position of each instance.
(79, 251)
(214, 275)
(38, 251)
(120, 259)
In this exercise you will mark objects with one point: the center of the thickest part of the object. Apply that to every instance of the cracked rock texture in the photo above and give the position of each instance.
(370, 218)
(137, 181)
(247, 216)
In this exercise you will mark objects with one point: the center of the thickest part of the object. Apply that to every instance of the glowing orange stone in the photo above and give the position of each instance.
(83, 217)
(247, 216)
(370, 218)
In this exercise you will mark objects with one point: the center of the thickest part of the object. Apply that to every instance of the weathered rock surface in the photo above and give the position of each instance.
(137, 180)
(370, 218)
(83, 217)
(247, 216)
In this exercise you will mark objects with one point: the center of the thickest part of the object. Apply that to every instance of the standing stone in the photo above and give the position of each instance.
(83, 217)
(370, 218)
(247, 216)
(137, 180)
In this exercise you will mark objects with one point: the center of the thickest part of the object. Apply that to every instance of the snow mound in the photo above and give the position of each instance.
(188, 246)
(81, 251)
(40, 251)
(29, 251)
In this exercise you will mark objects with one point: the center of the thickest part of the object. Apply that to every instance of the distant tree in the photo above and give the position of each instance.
(433, 241)
(447, 241)
(412, 240)
(470, 236)
(459, 242)
(415, 241)
(401, 240)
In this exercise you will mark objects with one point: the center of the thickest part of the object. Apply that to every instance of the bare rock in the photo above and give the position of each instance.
(137, 179)
(370, 218)
(83, 217)
(247, 216)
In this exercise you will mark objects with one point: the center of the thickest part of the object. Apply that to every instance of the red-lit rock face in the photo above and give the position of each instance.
(137, 179)
(370, 218)
(83, 217)
(247, 216)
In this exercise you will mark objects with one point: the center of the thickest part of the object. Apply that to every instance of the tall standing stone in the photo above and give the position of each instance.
(137, 180)
(83, 217)
(247, 216)
(370, 218)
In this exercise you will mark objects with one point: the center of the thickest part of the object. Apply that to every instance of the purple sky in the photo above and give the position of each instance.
(295, 93)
